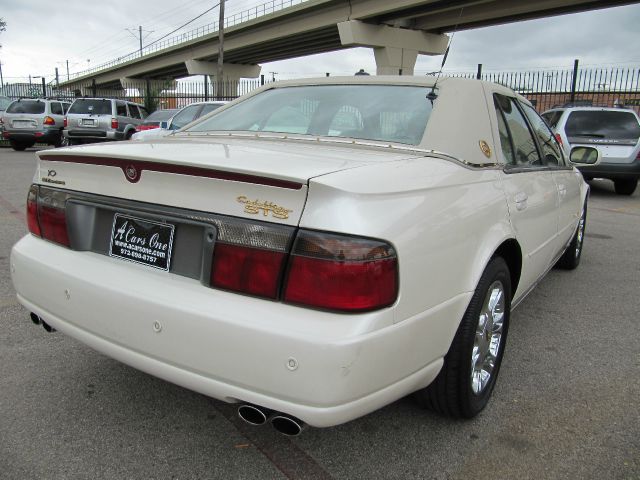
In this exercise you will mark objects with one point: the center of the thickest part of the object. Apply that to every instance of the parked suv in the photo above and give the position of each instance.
(96, 119)
(27, 121)
(614, 132)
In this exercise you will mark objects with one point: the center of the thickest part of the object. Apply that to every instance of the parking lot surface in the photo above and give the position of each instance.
(565, 405)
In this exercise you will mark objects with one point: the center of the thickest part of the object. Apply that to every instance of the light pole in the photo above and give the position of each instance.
(219, 71)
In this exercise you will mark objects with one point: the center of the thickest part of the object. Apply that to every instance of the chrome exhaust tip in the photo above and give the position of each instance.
(286, 425)
(35, 318)
(253, 415)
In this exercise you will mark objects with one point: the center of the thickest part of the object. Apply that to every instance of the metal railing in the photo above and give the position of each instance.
(230, 21)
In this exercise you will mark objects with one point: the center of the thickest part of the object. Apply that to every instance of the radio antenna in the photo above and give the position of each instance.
(432, 95)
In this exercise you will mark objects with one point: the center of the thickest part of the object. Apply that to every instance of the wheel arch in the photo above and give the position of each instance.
(511, 252)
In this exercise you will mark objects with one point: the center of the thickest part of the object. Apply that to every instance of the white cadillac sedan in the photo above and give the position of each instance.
(313, 250)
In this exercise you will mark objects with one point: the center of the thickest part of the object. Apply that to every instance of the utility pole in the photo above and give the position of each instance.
(57, 78)
(219, 71)
(67, 70)
(140, 32)
(1, 79)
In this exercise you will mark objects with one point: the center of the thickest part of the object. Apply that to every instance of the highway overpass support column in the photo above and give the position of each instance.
(233, 72)
(396, 49)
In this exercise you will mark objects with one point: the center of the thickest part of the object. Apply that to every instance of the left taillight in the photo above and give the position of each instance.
(46, 214)
(49, 121)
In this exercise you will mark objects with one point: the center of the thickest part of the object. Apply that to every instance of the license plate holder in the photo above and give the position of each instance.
(142, 241)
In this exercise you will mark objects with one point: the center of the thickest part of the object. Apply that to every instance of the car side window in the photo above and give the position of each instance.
(65, 107)
(505, 138)
(551, 151)
(143, 112)
(208, 108)
(121, 109)
(133, 110)
(524, 145)
(56, 108)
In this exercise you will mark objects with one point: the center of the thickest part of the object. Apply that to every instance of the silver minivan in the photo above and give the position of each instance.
(99, 119)
(27, 121)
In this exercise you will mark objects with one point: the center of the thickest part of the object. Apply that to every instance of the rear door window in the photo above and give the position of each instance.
(524, 151)
(121, 109)
(552, 117)
(133, 110)
(56, 108)
(551, 151)
(27, 106)
(606, 125)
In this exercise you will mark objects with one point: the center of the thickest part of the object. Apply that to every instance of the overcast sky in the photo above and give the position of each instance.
(42, 35)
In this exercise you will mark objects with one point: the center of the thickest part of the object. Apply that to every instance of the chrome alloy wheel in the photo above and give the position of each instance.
(579, 236)
(486, 344)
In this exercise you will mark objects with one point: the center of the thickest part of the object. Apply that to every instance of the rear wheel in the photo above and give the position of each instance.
(19, 146)
(625, 187)
(464, 385)
(61, 141)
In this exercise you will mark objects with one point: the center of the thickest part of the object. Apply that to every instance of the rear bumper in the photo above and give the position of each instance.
(612, 171)
(42, 136)
(231, 347)
(93, 134)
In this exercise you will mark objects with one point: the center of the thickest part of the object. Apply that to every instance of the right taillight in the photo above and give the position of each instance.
(66, 122)
(559, 139)
(46, 214)
(342, 273)
(114, 123)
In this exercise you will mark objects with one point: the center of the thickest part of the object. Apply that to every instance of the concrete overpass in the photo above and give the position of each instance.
(396, 30)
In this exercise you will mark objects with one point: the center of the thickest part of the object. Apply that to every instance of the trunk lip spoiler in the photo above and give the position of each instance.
(132, 170)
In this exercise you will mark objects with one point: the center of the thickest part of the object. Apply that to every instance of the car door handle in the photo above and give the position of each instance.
(521, 200)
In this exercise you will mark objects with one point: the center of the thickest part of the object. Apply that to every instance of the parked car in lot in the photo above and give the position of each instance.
(4, 103)
(614, 132)
(154, 119)
(100, 119)
(27, 121)
(181, 118)
(313, 251)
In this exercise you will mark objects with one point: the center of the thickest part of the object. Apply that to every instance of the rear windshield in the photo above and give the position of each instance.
(603, 124)
(91, 105)
(26, 106)
(390, 113)
(160, 116)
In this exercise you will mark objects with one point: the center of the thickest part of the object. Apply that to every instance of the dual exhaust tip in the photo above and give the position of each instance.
(39, 321)
(283, 423)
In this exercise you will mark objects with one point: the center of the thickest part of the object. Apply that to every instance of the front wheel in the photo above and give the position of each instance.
(570, 259)
(625, 187)
(464, 385)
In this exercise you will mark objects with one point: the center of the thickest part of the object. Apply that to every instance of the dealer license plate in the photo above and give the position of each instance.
(142, 241)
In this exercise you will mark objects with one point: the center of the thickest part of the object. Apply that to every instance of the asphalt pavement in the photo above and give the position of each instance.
(566, 405)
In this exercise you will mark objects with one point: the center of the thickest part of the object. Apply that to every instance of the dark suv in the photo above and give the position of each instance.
(614, 132)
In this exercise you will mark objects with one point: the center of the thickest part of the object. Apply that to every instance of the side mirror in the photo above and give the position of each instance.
(585, 155)
(164, 125)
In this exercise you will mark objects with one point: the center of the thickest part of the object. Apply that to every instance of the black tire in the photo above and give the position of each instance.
(61, 141)
(453, 392)
(18, 146)
(570, 259)
(129, 134)
(625, 187)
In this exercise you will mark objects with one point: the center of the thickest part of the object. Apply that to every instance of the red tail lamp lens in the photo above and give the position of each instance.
(49, 121)
(341, 273)
(52, 215)
(114, 123)
(32, 211)
(559, 139)
(66, 122)
(247, 270)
